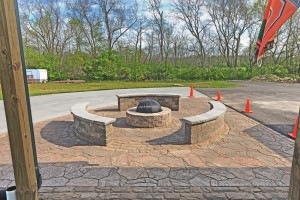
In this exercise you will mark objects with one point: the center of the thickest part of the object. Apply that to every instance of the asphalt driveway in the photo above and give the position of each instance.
(276, 105)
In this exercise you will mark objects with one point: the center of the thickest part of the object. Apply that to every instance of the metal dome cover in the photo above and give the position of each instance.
(148, 106)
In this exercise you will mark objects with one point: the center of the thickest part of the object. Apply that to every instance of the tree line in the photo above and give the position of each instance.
(152, 39)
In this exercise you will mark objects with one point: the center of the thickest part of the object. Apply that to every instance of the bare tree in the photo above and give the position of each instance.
(45, 25)
(230, 19)
(294, 45)
(150, 46)
(159, 23)
(139, 31)
(118, 19)
(191, 12)
(286, 48)
(169, 40)
(86, 24)
(252, 33)
(180, 47)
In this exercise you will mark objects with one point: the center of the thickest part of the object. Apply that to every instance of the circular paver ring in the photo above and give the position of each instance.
(148, 120)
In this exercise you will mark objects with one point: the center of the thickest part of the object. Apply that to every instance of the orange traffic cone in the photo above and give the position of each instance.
(191, 91)
(294, 134)
(219, 97)
(248, 108)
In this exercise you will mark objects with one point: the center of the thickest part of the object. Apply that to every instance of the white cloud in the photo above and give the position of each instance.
(62, 4)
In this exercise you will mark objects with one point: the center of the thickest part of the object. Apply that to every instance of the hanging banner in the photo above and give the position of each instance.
(277, 12)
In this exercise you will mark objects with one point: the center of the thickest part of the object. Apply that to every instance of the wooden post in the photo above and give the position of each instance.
(15, 103)
(294, 190)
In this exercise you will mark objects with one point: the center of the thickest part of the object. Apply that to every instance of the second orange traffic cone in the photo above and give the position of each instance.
(294, 133)
(191, 91)
(219, 97)
(248, 107)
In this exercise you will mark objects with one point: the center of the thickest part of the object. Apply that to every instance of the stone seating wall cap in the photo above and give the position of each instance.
(80, 110)
(147, 94)
(217, 109)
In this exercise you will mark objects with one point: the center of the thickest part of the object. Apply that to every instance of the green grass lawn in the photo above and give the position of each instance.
(53, 88)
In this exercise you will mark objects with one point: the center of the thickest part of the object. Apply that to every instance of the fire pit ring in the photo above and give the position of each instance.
(148, 120)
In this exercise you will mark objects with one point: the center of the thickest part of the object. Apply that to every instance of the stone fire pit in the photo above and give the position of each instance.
(148, 120)
(148, 114)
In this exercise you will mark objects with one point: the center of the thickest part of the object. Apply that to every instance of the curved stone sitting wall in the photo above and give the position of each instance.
(126, 101)
(91, 128)
(207, 125)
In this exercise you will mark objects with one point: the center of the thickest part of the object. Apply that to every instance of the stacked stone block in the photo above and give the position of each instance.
(127, 101)
(202, 127)
(148, 120)
(91, 128)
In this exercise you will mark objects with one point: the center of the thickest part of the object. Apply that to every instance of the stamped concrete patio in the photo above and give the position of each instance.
(247, 161)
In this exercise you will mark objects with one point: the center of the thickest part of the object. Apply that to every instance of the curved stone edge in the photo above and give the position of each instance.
(205, 126)
(90, 127)
(148, 94)
(148, 120)
(126, 101)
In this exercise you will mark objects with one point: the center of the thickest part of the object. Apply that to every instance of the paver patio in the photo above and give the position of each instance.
(248, 161)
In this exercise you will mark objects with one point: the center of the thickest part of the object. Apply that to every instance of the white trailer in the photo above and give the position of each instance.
(37, 75)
